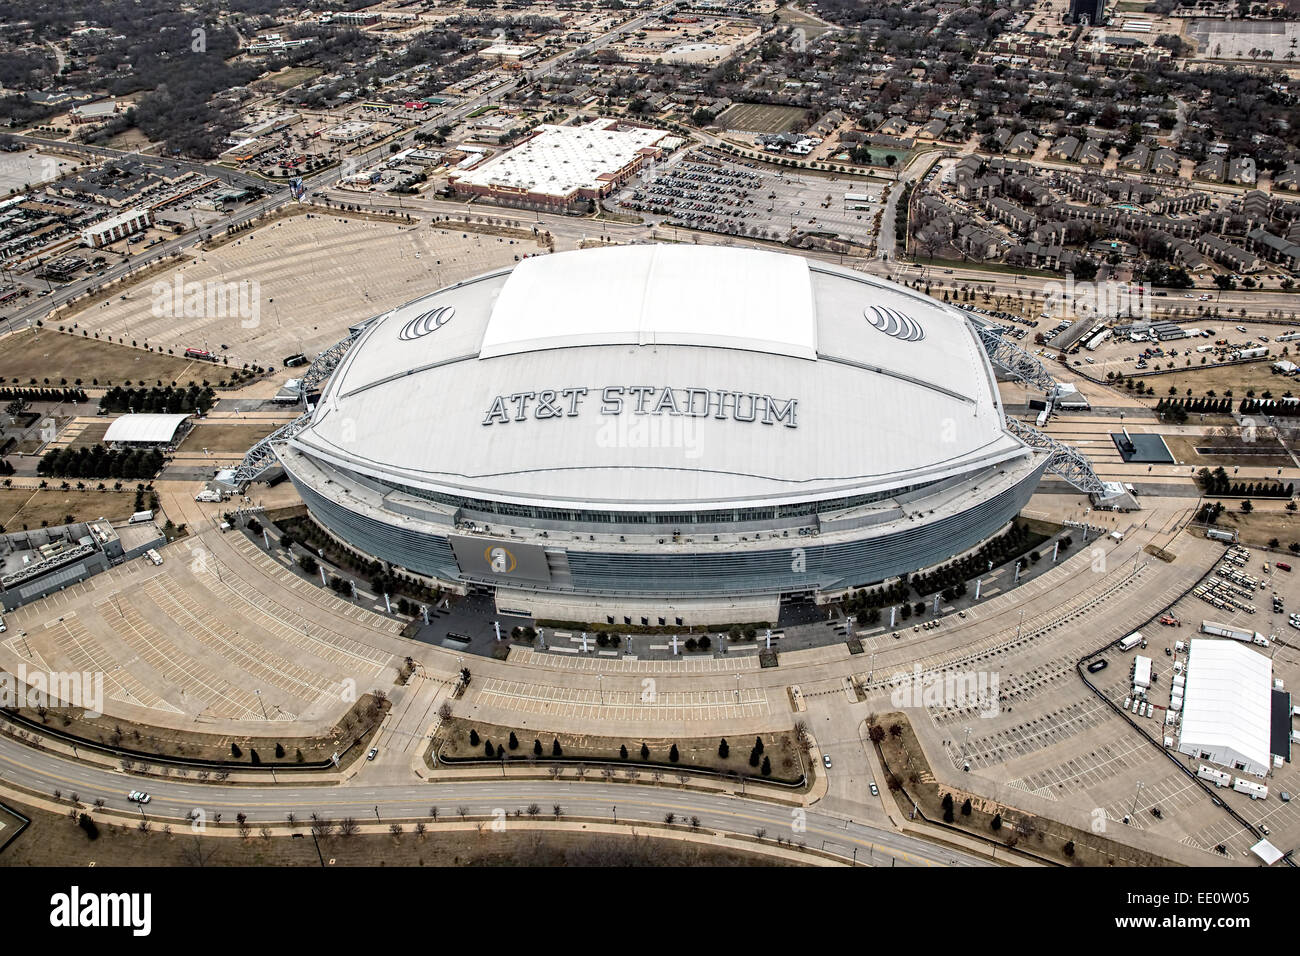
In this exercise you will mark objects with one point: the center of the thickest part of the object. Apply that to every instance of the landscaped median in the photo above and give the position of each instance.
(137, 745)
(911, 782)
(777, 758)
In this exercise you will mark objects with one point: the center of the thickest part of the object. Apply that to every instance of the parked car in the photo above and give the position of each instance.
(875, 791)
(826, 761)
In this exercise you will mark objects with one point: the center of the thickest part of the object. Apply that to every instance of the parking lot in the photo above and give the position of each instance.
(703, 190)
(314, 276)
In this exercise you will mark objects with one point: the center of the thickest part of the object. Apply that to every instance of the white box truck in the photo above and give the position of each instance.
(1130, 642)
(141, 516)
(1217, 777)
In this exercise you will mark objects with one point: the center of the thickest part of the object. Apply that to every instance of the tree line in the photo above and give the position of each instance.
(166, 399)
(98, 461)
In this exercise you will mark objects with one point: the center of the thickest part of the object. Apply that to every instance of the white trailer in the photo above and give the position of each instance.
(1097, 339)
(1257, 791)
(1218, 777)
(1141, 672)
(141, 516)
(1235, 633)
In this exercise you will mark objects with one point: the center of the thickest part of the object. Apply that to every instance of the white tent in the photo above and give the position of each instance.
(148, 429)
(1266, 852)
(1227, 705)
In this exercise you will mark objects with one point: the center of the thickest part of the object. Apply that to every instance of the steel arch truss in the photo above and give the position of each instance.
(1064, 461)
(325, 364)
(260, 457)
(1012, 359)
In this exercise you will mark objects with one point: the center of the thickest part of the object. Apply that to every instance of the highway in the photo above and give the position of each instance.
(174, 801)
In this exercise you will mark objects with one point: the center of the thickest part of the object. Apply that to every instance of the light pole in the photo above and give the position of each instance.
(1136, 792)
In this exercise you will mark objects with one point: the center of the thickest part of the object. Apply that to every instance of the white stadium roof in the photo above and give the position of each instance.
(885, 388)
(144, 428)
(758, 303)
(1227, 704)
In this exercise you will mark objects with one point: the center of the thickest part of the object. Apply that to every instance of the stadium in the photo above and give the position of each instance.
(663, 434)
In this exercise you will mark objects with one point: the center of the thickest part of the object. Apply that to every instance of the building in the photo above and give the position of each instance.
(1087, 11)
(510, 51)
(558, 166)
(117, 227)
(663, 433)
(349, 132)
(93, 112)
(36, 563)
(1227, 706)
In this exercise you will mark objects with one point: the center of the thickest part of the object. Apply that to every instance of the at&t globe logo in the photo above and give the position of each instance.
(426, 322)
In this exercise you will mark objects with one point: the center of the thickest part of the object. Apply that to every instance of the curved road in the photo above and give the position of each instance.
(174, 800)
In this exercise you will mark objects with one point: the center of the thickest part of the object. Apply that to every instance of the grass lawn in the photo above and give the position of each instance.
(813, 28)
(1184, 451)
(1260, 526)
(291, 76)
(55, 840)
(1201, 379)
(46, 354)
(21, 507)
(970, 265)
(226, 438)
(760, 117)
(693, 752)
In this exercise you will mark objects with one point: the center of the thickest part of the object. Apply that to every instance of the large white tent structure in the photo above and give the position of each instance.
(1227, 706)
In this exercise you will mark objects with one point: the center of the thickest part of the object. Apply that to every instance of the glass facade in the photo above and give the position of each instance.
(803, 564)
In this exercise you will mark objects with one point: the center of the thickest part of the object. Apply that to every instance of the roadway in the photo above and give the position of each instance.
(173, 802)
